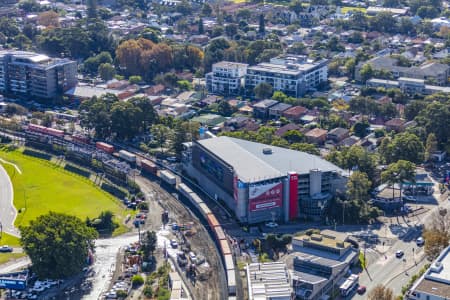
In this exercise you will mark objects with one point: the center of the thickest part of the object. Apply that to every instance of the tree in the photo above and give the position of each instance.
(398, 173)
(48, 19)
(160, 134)
(135, 79)
(358, 186)
(437, 234)
(366, 72)
(57, 244)
(206, 10)
(435, 118)
(294, 136)
(380, 292)
(106, 71)
(263, 90)
(148, 244)
(404, 146)
(360, 129)
(262, 24)
(224, 108)
(305, 147)
(430, 146)
(91, 9)
(231, 30)
(201, 29)
(296, 6)
(297, 48)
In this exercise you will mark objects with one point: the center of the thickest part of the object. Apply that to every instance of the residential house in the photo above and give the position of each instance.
(295, 113)
(316, 136)
(338, 134)
(277, 110)
(261, 108)
(396, 124)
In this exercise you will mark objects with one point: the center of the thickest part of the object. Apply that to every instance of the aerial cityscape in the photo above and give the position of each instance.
(225, 149)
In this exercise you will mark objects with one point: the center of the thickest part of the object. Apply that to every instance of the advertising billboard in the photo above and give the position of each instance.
(293, 195)
(265, 196)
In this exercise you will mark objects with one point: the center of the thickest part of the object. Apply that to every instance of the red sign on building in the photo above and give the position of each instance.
(293, 195)
(265, 196)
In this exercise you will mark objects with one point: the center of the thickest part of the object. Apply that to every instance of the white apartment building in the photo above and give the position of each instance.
(294, 75)
(31, 74)
(226, 78)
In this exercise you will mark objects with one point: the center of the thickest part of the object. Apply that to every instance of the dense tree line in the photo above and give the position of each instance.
(121, 119)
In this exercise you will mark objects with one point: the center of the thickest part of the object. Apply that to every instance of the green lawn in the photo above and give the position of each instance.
(44, 187)
(346, 9)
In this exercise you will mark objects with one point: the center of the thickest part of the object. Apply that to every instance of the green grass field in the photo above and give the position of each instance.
(11, 241)
(346, 9)
(44, 187)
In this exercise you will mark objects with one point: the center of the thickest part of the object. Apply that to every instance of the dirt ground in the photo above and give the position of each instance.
(214, 288)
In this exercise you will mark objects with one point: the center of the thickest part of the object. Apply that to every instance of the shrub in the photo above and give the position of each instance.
(137, 280)
(148, 291)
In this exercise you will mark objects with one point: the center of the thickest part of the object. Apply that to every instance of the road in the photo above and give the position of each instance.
(395, 272)
(8, 212)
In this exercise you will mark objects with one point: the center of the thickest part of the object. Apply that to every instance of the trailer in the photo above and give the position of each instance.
(149, 166)
(129, 157)
(105, 147)
(168, 177)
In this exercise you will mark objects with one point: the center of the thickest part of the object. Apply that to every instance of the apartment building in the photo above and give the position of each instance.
(294, 75)
(226, 78)
(37, 75)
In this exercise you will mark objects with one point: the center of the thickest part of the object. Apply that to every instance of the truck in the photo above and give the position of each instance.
(129, 157)
(149, 166)
(168, 177)
(105, 147)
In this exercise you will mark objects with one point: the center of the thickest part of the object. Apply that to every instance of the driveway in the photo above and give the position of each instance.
(8, 212)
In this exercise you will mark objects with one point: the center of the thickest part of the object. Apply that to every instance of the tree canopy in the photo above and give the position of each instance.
(57, 244)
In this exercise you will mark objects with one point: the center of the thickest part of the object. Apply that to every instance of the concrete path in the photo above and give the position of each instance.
(8, 212)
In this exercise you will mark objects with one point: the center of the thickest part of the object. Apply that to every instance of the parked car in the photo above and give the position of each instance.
(192, 257)
(272, 225)
(399, 254)
(174, 244)
(6, 248)
(420, 241)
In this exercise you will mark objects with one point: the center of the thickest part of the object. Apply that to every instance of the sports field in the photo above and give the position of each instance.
(44, 187)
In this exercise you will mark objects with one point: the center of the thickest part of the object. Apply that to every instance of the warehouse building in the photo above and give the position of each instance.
(263, 183)
(32, 74)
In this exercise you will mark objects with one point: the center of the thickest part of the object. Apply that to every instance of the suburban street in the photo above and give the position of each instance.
(8, 212)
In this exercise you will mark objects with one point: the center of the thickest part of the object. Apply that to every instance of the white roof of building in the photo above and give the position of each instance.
(252, 165)
(268, 281)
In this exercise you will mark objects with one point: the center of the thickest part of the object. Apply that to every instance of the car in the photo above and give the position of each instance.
(272, 225)
(174, 244)
(361, 289)
(420, 241)
(399, 253)
(409, 198)
(6, 248)
(192, 257)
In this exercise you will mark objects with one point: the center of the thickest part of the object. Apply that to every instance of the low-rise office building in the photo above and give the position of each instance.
(37, 75)
(268, 281)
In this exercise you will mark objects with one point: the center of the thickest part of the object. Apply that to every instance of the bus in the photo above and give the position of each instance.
(349, 285)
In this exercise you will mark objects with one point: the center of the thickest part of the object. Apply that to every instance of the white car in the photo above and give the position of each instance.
(192, 256)
(272, 225)
(420, 241)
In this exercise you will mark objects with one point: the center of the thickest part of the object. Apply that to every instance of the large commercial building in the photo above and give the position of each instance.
(294, 75)
(260, 182)
(36, 75)
(435, 283)
(226, 78)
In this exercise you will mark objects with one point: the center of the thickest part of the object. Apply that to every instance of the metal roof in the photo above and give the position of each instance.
(252, 165)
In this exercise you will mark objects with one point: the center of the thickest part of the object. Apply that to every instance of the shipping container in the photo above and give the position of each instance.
(196, 200)
(168, 177)
(129, 157)
(225, 247)
(149, 166)
(231, 280)
(229, 264)
(212, 221)
(185, 191)
(105, 147)
(219, 233)
(204, 209)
